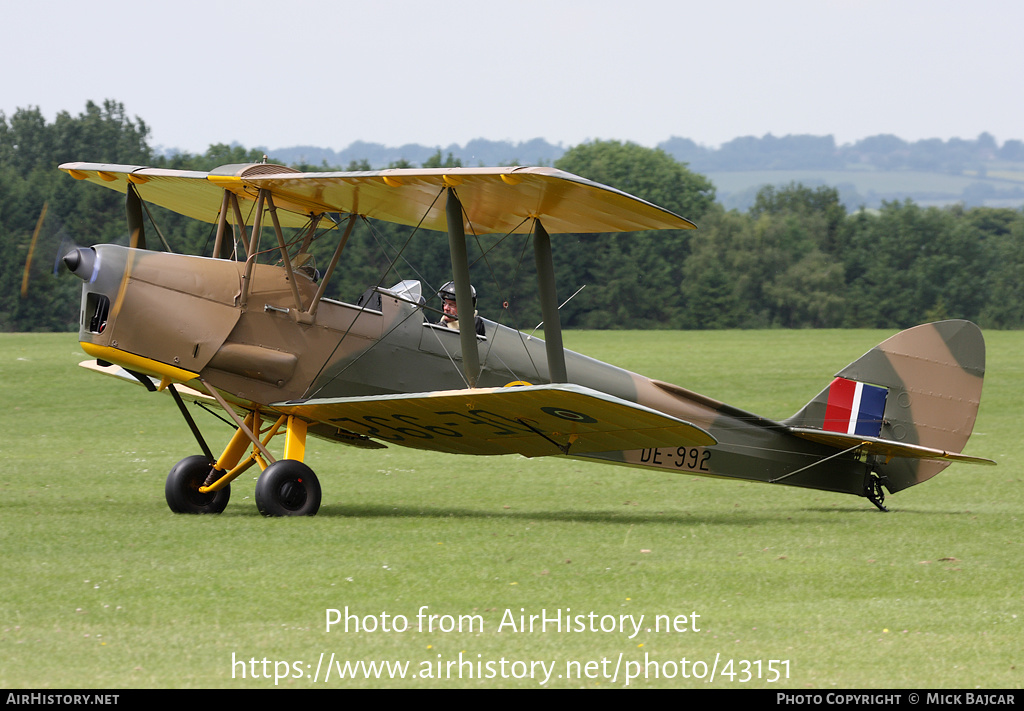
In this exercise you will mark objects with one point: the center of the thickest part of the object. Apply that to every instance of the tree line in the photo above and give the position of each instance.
(796, 259)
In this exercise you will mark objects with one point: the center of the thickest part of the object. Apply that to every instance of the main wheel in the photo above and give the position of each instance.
(182, 488)
(288, 488)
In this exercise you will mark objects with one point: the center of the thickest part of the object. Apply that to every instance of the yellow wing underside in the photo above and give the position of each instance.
(534, 421)
(495, 200)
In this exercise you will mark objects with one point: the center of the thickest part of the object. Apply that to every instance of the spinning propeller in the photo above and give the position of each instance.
(81, 261)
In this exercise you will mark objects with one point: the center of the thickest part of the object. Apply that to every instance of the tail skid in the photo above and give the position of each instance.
(911, 403)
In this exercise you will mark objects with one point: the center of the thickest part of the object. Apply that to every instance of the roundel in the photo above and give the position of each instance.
(570, 415)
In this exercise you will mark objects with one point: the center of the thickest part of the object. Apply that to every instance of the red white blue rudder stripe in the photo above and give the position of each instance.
(855, 408)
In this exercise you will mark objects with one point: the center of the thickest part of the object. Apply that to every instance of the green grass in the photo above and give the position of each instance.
(102, 586)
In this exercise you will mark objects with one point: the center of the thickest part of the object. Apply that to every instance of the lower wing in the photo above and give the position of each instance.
(534, 421)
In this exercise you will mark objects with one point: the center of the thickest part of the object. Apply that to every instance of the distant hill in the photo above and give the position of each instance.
(479, 151)
(879, 168)
(875, 169)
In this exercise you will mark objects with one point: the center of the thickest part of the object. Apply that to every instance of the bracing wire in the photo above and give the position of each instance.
(380, 281)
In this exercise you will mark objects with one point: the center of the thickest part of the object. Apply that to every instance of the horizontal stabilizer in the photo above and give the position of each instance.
(535, 421)
(884, 447)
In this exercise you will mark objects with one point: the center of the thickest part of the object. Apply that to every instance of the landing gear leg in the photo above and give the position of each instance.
(287, 487)
(202, 484)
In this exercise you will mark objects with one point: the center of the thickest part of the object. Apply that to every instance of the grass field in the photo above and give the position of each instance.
(102, 586)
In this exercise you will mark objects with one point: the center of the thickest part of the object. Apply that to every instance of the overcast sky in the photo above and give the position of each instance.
(327, 73)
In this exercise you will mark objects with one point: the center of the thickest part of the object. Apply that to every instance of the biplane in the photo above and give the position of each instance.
(255, 336)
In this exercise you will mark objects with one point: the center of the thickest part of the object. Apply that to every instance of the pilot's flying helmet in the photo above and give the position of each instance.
(447, 292)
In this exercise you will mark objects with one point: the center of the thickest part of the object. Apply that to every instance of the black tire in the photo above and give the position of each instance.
(182, 488)
(288, 488)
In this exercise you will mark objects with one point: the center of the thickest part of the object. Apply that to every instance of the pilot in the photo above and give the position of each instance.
(451, 309)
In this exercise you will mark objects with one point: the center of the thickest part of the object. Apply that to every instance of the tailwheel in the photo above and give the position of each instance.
(287, 488)
(873, 490)
(182, 488)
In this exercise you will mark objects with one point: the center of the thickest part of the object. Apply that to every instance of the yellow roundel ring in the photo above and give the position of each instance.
(517, 384)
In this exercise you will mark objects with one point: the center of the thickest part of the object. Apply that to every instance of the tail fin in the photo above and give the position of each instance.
(921, 387)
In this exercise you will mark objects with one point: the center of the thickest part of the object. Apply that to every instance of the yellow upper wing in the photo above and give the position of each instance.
(534, 421)
(496, 200)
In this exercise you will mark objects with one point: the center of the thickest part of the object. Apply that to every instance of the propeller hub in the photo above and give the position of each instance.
(80, 262)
